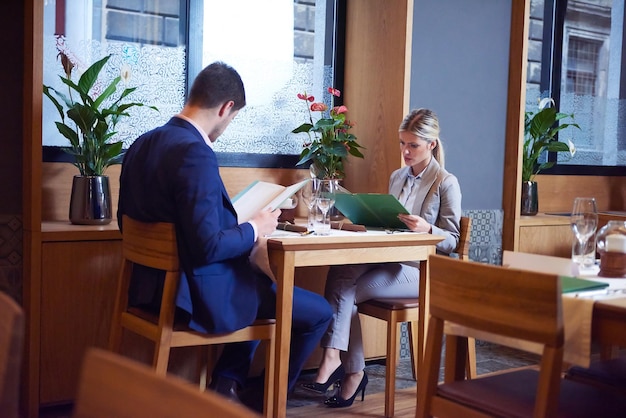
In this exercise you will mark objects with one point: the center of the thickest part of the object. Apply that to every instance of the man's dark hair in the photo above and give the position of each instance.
(215, 85)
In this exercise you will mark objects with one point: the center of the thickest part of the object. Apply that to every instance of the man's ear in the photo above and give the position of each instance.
(226, 108)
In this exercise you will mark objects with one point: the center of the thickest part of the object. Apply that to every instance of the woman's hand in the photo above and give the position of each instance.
(415, 223)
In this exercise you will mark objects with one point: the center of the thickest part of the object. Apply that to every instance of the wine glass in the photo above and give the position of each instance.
(325, 200)
(584, 221)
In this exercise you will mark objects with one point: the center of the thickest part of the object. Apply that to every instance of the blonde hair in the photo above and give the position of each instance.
(424, 124)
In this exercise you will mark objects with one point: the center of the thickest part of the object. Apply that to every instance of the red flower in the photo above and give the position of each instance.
(337, 110)
(319, 107)
(334, 92)
(304, 96)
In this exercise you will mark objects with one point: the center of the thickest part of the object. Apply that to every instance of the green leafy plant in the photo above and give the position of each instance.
(93, 128)
(540, 129)
(329, 140)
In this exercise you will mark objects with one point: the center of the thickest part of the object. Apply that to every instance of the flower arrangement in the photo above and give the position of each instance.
(329, 140)
(93, 126)
(540, 128)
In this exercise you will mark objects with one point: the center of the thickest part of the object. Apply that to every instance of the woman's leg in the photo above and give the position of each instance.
(391, 280)
(340, 292)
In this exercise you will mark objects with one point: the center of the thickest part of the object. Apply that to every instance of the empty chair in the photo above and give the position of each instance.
(396, 311)
(11, 342)
(511, 303)
(154, 245)
(113, 386)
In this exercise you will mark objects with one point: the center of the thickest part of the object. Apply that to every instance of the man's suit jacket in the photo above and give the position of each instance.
(438, 201)
(171, 175)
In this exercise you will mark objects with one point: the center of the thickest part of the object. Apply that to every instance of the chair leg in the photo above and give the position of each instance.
(204, 358)
(121, 303)
(471, 359)
(413, 342)
(268, 405)
(161, 358)
(390, 370)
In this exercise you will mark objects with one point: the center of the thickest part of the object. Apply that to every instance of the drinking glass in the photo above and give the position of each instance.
(584, 221)
(324, 200)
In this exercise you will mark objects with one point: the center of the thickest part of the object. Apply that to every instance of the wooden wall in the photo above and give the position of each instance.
(557, 193)
(57, 184)
(376, 90)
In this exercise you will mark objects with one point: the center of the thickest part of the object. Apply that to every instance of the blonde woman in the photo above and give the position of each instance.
(433, 197)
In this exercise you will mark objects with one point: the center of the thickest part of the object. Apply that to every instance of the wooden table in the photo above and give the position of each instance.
(287, 253)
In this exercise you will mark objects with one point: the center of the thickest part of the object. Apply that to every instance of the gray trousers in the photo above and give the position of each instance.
(348, 285)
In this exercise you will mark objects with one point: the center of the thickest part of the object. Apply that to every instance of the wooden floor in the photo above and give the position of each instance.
(372, 406)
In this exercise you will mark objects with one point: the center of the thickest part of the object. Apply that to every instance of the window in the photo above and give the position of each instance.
(165, 44)
(576, 56)
(582, 66)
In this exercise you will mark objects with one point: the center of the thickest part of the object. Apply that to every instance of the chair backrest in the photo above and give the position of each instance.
(604, 218)
(11, 342)
(150, 244)
(114, 386)
(462, 248)
(509, 302)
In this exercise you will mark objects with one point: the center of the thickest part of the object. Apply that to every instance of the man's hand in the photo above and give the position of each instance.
(415, 223)
(266, 221)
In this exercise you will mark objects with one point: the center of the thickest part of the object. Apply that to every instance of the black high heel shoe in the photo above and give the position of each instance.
(339, 402)
(335, 377)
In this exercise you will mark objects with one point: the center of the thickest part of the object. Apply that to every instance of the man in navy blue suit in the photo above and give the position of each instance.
(171, 174)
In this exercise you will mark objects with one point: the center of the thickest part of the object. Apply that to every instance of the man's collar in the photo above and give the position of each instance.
(205, 136)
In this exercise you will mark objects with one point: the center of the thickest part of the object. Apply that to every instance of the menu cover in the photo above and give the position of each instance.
(575, 284)
(371, 209)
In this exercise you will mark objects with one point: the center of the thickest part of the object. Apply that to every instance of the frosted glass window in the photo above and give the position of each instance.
(137, 39)
(280, 48)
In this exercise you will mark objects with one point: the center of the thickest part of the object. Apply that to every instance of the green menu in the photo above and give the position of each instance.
(371, 209)
(575, 284)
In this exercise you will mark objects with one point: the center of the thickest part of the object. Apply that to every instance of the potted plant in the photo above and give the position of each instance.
(540, 130)
(88, 121)
(329, 143)
(329, 140)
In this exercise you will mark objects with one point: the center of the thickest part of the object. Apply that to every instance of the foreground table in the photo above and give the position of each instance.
(291, 251)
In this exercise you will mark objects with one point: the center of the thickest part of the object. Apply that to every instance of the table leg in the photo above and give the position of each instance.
(284, 271)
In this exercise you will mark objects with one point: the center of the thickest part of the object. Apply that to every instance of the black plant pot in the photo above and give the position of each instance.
(530, 201)
(90, 202)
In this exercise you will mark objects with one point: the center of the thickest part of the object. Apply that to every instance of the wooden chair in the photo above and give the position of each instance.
(512, 303)
(11, 342)
(605, 217)
(114, 386)
(396, 311)
(154, 245)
